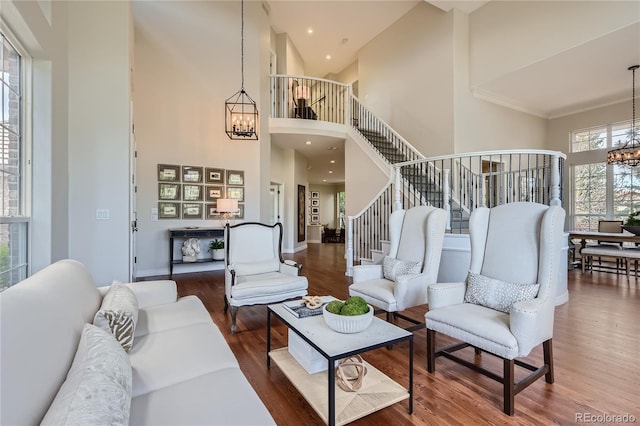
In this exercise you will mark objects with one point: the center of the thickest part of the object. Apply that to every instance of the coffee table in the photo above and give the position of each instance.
(320, 390)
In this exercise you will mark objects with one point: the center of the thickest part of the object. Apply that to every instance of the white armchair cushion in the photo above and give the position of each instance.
(97, 390)
(496, 294)
(118, 314)
(255, 268)
(394, 267)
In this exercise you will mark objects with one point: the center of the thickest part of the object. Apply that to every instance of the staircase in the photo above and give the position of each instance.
(457, 183)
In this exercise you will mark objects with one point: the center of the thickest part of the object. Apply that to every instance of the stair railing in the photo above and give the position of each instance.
(459, 184)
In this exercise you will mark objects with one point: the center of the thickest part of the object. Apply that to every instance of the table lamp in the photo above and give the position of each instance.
(227, 207)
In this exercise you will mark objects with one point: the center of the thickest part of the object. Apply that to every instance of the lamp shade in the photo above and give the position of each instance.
(302, 92)
(227, 205)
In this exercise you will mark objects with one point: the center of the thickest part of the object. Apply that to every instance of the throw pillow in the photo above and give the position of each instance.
(118, 314)
(391, 267)
(496, 294)
(97, 390)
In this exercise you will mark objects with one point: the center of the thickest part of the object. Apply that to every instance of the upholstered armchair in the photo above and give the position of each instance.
(506, 306)
(401, 281)
(255, 272)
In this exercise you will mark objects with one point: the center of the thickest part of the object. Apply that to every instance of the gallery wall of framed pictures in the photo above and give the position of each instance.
(191, 192)
(314, 207)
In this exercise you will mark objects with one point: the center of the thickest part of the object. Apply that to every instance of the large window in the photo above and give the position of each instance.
(600, 191)
(14, 222)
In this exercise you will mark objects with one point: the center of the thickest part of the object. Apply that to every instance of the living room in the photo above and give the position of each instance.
(99, 66)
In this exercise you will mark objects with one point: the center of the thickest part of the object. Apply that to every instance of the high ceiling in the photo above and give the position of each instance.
(555, 85)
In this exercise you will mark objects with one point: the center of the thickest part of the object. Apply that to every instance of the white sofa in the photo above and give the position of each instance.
(183, 371)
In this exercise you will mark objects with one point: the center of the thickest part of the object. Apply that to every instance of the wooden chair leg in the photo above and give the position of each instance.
(431, 350)
(509, 387)
(226, 305)
(234, 312)
(547, 348)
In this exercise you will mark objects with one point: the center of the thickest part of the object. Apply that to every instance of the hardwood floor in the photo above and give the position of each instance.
(596, 349)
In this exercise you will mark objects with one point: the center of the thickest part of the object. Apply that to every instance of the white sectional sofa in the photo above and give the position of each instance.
(183, 371)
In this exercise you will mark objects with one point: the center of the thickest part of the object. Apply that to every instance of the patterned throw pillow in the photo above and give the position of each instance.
(97, 390)
(496, 294)
(391, 267)
(118, 314)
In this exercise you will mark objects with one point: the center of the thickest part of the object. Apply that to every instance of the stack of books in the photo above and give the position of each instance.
(298, 309)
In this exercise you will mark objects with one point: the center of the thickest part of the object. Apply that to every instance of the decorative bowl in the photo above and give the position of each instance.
(346, 323)
(634, 229)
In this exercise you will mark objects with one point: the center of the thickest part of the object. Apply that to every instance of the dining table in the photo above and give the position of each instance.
(610, 237)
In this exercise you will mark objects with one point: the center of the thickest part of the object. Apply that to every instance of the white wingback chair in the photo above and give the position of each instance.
(514, 248)
(416, 237)
(255, 271)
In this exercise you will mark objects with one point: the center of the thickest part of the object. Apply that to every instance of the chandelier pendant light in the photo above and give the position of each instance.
(241, 113)
(629, 153)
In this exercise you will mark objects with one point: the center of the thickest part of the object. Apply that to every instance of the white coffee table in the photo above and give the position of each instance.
(320, 390)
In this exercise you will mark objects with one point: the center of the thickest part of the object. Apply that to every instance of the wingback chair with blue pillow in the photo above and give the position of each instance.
(412, 264)
(506, 306)
(255, 272)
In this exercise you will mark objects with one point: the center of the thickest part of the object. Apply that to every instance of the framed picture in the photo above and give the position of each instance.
(315, 203)
(213, 192)
(315, 210)
(191, 211)
(315, 194)
(236, 192)
(315, 218)
(191, 192)
(240, 214)
(169, 210)
(211, 211)
(168, 173)
(235, 177)
(213, 175)
(169, 191)
(192, 174)
(301, 213)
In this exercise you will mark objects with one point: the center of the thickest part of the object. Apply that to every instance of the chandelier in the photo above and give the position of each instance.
(629, 153)
(241, 113)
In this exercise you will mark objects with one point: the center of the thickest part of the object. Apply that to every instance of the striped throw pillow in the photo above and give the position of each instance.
(118, 314)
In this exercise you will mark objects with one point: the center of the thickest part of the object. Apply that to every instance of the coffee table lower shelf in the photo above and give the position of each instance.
(378, 391)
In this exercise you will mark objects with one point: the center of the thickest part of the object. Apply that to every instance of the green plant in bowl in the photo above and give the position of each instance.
(633, 223)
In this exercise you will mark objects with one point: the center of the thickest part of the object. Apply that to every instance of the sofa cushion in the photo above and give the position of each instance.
(496, 294)
(168, 357)
(118, 314)
(393, 267)
(224, 397)
(97, 390)
(186, 311)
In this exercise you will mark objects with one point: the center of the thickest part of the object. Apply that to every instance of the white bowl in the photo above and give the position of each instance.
(346, 323)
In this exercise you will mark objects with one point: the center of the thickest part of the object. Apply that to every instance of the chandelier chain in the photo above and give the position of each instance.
(242, 43)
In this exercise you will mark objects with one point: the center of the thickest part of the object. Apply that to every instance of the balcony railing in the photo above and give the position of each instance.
(308, 98)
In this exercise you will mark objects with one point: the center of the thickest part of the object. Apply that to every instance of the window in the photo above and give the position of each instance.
(14, 222)
(600, 191)
(340, 209)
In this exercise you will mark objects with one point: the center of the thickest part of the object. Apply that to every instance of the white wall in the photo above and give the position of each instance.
(179, 110)
(282, 171)
(363, 178)
(405, 77)
(508, 35)
(480, 125)
(99, 122)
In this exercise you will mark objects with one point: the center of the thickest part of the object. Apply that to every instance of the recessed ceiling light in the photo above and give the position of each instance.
(332, 148)
(308, 142)
(327, 57)
(332, 161)
(309, 30)
(330, 171)
(324, 180)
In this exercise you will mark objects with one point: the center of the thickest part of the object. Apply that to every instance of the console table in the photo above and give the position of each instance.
(181, 234)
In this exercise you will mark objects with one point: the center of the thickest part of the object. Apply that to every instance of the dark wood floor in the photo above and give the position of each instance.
(596, 353)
